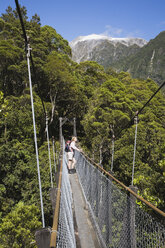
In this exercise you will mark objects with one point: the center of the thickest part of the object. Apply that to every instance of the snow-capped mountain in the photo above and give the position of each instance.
(103, 49)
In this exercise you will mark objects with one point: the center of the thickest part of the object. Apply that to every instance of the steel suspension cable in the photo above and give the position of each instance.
(138, 112)
(28, 54)
(50, 165)
(22, 23)
(113, 146)
(35, 136)
(161, 86)
(54, 155)
(133, 167)
(38, 87)
(31, 58)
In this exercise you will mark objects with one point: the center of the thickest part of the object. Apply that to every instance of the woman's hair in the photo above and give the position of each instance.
(74, 138)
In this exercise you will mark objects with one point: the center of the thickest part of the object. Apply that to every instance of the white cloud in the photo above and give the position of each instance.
(119, 32)
(112, 32)
(162, 23)
(135, 33)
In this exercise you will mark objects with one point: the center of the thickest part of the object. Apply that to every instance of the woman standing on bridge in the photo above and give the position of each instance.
(71, 153)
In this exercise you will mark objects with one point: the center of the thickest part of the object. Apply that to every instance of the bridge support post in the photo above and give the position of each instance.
(53, 195)
(74, 127)
(42, 238)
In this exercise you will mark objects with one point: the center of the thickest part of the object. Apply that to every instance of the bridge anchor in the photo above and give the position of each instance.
(42, 238)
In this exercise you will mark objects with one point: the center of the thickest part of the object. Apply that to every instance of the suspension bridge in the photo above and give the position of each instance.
(92, 208)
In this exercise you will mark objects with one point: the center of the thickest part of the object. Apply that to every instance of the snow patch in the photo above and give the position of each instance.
(96, 37)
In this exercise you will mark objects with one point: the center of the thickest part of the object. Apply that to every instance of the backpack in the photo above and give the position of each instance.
(67, 146)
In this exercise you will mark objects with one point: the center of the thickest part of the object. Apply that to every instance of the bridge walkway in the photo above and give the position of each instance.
(84, 232)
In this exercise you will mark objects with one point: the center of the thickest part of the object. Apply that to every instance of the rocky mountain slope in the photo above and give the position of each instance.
(140, 58)
(103, 49)
(149, 61)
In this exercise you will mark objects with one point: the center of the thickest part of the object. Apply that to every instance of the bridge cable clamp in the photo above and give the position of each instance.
(54, 231)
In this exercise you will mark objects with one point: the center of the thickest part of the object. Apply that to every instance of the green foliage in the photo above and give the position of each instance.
(17, 228)
(100, 101)
(54, 41)
(3, 105)
(113, 104)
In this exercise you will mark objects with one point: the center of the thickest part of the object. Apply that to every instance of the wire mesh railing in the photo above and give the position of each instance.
(118, 219)
(66, 236)
(63, 227)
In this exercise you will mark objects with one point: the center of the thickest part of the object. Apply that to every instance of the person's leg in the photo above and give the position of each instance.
(70, 157)
(70, 165)
(73, 163)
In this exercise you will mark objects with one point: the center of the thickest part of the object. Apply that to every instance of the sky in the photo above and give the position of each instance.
(115, 18)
